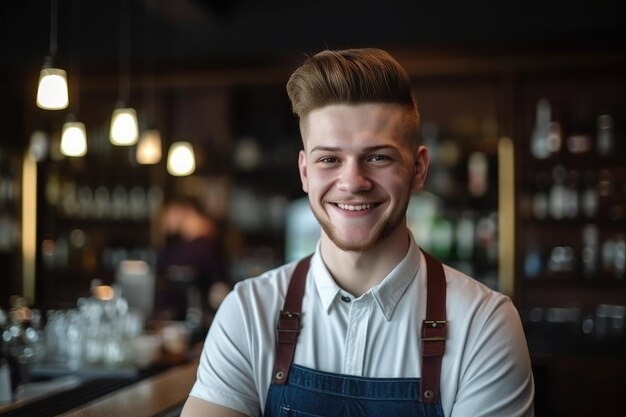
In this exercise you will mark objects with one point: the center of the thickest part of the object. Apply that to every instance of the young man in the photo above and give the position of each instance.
(379, 328)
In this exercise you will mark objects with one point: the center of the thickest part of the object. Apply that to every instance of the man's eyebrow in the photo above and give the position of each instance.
(366, 150)
(325, 149)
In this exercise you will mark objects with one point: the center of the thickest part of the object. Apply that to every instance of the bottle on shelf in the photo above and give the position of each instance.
(533, 264)
(6, 388)
(539, 205)
(606, 192)
(541, 132)
(558, 193)
(562, 259)
(589, 198)
(465, 236)
(604, 135)
(555, 139)
(619, 257)
(6, 391)
(571, 206)
(590, 250)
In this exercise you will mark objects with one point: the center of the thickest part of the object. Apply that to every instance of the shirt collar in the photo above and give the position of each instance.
(326, 286)
(387, 294)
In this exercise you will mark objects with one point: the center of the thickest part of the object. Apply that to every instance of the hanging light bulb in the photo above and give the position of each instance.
(124, 129)
(149, 147)
(180, 159)
(74, 135)
(124, 126)
(52, 90)
(73, 138)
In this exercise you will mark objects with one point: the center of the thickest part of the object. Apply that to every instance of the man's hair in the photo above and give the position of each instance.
(352, 76)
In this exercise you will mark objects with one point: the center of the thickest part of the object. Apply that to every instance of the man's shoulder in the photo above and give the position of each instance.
(254, 303)
(464, 288)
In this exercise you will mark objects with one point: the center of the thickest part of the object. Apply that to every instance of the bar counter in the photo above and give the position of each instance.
(160, 395)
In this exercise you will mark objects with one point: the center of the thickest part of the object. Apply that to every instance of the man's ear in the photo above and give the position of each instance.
(302, 169)
(420, 161)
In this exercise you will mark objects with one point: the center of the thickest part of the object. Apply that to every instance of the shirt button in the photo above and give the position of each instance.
(345, 299)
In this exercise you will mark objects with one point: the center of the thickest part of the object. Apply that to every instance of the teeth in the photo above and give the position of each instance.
(358, 207)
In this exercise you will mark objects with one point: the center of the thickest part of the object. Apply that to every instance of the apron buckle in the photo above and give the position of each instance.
(433, 330)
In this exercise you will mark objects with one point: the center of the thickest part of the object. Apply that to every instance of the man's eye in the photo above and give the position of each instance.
(328, 160)
(379, 158)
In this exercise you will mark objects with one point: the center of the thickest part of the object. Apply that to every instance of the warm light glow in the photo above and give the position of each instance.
(180, 159)
(29, 227)
(506, 211)
(74, 139)
(104, 292)
(149, 147)
(52, 91)
(124, 130)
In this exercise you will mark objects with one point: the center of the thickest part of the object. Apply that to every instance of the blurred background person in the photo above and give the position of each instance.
(191, 268)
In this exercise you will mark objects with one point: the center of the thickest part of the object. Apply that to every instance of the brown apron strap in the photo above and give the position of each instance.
(289, 322)
(433, 330)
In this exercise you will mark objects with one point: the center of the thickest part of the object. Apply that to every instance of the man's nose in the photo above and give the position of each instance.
(354, 178)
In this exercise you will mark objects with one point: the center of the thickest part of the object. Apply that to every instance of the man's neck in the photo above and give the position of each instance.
(357, 272)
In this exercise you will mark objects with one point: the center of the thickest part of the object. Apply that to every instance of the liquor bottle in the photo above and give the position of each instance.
(533, 264)
(442, 237)
(558, 193)
(571, 206)
(555, 139)
(608, 255)
(540, 196)
(604, 138)
(6, 391)
(606, 192)
(589, 198)
(590, 250)
(465, 236)
(539, 138)
(478, 171)
(6, 388)
(619, 257)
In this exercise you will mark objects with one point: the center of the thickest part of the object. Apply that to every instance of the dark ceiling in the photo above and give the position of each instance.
(198, 34)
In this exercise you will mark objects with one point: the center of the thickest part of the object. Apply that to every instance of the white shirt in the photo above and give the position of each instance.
(486, 369)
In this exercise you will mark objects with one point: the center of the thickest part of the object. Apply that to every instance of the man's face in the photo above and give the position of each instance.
(359, 168)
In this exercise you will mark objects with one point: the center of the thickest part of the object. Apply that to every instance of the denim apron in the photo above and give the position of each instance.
(297, 391)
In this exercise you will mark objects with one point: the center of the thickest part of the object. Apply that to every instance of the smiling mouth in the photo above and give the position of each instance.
(356, 207)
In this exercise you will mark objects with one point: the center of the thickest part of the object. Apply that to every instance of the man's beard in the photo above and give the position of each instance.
(383, 231)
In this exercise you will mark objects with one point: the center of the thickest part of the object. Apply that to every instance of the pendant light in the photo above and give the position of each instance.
(52, 91)
(149, 146)
(124, 127)
(73, 138)
(74, 134)
(181, 160)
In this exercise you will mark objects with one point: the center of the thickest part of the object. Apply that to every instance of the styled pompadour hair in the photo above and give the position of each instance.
(351, 76)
